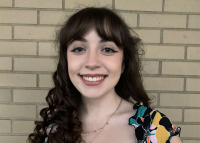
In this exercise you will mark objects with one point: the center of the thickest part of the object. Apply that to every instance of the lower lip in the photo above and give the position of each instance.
(92, 83)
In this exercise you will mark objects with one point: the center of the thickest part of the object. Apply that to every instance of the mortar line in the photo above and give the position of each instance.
(113, 4)
(63, 4)
(184, 84)
(11, 120)
(163, 5)
(38, 17)
(13, 3)
(183, 111)
(187, 21)
(161, 36)
(185, 54)
(138, 20)
(12, 64)
(12, 98)
(160, 68)
(37, 80)
(37, 48)
(12, 32)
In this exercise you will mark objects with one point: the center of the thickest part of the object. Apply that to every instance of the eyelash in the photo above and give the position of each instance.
(113, 51)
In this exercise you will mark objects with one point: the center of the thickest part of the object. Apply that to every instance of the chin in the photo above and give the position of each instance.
(92, 96)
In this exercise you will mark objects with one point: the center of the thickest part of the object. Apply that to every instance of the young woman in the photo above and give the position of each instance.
(97, 75)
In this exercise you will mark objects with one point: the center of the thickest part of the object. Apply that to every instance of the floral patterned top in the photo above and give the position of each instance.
(151, 126)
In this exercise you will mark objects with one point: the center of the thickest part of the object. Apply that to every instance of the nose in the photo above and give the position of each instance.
(93, 60)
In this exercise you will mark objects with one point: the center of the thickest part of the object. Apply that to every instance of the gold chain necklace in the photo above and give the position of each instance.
(87, 133)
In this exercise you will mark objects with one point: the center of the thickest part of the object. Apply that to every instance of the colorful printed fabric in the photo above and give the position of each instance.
(151, 126)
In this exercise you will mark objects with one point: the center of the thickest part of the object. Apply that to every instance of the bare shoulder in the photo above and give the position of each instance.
(176, 139)
(126, 108)
(125, 111)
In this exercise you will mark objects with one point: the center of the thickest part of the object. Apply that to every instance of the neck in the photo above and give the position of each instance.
(99, 108)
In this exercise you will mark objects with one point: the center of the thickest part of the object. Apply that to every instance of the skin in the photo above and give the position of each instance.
(91, 55)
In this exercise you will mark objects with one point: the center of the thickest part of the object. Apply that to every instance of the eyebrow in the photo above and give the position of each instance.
(84, 40)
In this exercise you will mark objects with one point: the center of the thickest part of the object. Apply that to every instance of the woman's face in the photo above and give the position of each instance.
(93, 55)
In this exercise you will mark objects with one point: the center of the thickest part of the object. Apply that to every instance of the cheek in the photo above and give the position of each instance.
(114, 65)
(73, 63)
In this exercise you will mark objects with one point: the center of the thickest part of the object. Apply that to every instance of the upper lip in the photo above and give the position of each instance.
(92, 75)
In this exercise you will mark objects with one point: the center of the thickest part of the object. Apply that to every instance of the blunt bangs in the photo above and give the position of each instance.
(107, 24)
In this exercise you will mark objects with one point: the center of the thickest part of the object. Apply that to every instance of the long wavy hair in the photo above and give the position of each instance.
(64, 99)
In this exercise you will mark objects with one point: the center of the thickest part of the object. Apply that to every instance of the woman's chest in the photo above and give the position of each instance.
(117, 134)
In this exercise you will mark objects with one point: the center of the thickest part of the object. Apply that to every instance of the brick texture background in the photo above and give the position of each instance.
(170, 30)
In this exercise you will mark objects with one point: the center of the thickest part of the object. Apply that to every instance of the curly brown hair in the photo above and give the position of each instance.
(64, 99)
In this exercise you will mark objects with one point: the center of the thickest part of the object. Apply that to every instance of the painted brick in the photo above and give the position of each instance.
(18, 16)
(34, 32)
(190, 114)
(13, 139)
(23, 126)
(54, 17)
(158, 83)
(194, 131)
(18, 48)
(69, 4)
(29, 96)
(150, 67)
(5, 32)
(193, 84)
(181, 68)
(193, 53)
(130, 18)
(39, 109)
(194, 21)
(47, 49)
(45, 81)
(34, 64)
(173, 99)
(5, 126)
(18, 111)
(6, 3)
(182, 37)
(191, 141)
(5, 95)
(149, 36)
(5, 63)
(19, 80)
(182, 5)
(172, 114)
(164, 52)
(140, 5)
(39, 4)
(163, 20)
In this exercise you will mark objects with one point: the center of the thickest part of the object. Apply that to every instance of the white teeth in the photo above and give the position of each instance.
(93, 79)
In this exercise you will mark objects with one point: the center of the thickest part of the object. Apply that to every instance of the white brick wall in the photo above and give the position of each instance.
(170, 30)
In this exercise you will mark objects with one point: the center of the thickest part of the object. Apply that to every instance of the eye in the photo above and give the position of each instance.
(109, 50)
(77, 50)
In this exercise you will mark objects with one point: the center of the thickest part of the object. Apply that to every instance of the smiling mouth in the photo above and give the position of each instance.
(93, 81)
(93, 78)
